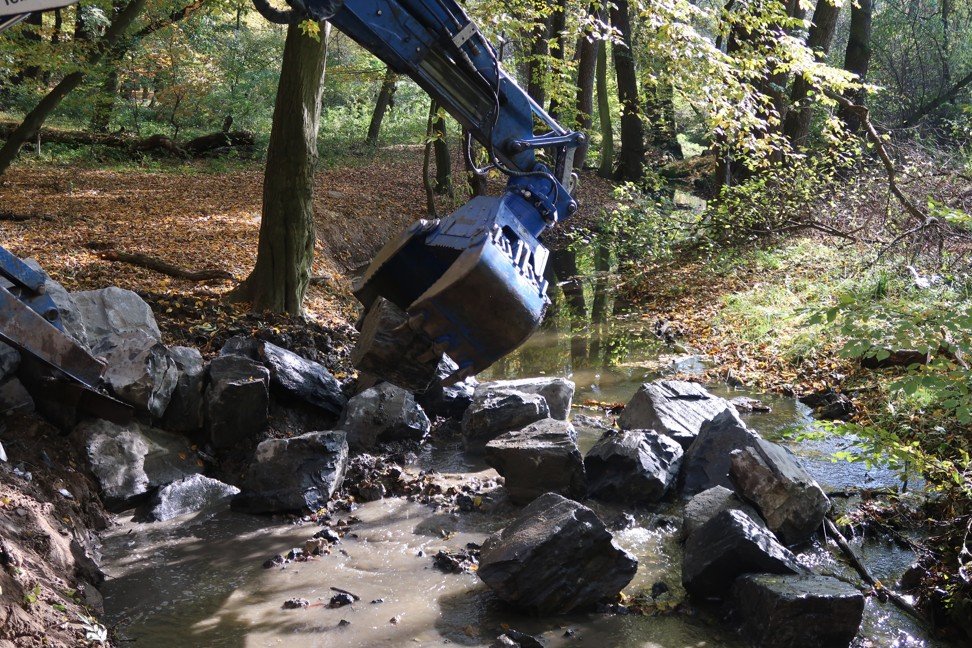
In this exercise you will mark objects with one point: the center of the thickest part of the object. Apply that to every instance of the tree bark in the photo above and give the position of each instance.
(36, 117)
(586, 57)
(797, 124)
(440, 147)
(476, 181)
(857, 57)
(286, 248)
(631, 160)
(539, 50)
(606, 169)
(937, 103)
(558, 29)
(386, 96)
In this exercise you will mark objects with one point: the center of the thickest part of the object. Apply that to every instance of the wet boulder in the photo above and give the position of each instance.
(791, 501)
(728, 545)
(558, 392)
(14, 397)
(829, 405)
(541, 458)
(188, 495)
(294, 474)
(301, 379)
(711, 502)
(805, 611)
(384, 412)
(707, 461)
(447, 401)
(113, 311)
(237, 400)
(555, 557)
(672, 407)
(632, 465)
(492, 413)
(130, 460)
(185, 410)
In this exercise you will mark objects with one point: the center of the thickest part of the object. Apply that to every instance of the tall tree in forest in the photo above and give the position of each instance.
(586, 58)
(36, 117)
(537, 67)
(606, 168)
(558, 33)
(631, 160)
(385, 100)
(857, 57)
(797, 124)
(285, 251)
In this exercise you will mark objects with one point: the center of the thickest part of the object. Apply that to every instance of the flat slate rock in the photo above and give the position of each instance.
(675, 408)
(541, 458)
(558, 392)
(302, 379)
(727, 546)
(632, 465)
(494, 412)
(805, 611)
(707, 461)
(557, 556)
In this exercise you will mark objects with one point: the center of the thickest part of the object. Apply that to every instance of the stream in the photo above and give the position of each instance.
(199, 581)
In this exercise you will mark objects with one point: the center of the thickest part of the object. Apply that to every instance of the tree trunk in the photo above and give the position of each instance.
(937, 102)
(631, 160)
(586, 57)
(476, 181)
(286, 248)
(558, 29)
(35, 20)
(36, 117)
(857, 58)
(797, 124)
(539, 50)
(606, 169)
(105, 100)
(440, 146)
(385, 100)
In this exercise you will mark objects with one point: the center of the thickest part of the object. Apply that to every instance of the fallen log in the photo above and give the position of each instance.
(164, 267)
(217, 141)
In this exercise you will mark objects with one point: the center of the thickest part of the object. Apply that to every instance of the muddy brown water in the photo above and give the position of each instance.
(199, 580)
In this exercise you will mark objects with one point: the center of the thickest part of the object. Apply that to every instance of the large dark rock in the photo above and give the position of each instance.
(237, 400)
(804, 611)
(185, 411)
(710, 503)
(128, 461)
(302, 379)
(493, 413)
(830, 405)
(728, 545)
(791, 501)
(384, 412)
(451, 401)
(706, 462)
(558, 392)
(9, 361)
(14, 397)
(673, 407)
(189, 495)
(294, 474)
(139, 369)
(632, 465)
(555, 557)
(541, 458)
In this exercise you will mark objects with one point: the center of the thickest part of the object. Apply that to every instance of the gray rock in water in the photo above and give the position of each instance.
(493, 413)
(237, 400)
(558, 392)
(71, 318)
(384, 412)
(130, 460)
(189, 495)
(791, 501)
(673, 407)
(14, 398)
(556, 556)
(185, 412)
(294, 474)
(728, 545)
(632, 465)
(139, 369)
(113, 311)
(451, 401)
(302, 379)
(707, 461)
(709, 503)
(541, 458)
(9, 361)
(798, 611)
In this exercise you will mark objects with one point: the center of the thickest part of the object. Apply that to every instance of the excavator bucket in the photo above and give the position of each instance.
(472, 283)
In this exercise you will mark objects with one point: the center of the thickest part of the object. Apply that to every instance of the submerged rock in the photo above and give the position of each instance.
(294, 474)
(555, 557)
(632, 465)
(791, 501)
(706, 463)
(130, 460)
(302, 379)
(185, 410)
(558, 392)
(728, 545)
(237, 400)
(493, 413)
(541, 458)
(747, 404)
(384, 412)
(189, 495)
(805, 611)
(709, 503)
(675, 408)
